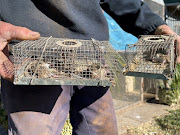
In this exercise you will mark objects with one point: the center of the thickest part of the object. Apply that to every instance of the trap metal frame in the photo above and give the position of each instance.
(59, 61)
(152, 56)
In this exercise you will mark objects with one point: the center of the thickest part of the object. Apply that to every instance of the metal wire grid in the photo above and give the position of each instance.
(151, 54)
(70, 60)
(172, 18)
(174, 23)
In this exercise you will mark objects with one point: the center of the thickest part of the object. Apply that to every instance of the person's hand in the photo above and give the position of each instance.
(10, 32)
(164, 29)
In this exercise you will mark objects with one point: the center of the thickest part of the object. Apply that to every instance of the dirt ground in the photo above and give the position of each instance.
(166, 124)
(151, 128)
(142, 120)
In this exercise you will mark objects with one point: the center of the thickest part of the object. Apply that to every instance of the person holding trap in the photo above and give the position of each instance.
(43, 109)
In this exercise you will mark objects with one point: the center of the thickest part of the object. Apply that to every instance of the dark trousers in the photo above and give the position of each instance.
(42, 110)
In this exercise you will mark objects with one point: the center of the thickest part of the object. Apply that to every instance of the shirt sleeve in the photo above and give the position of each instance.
(133, 16)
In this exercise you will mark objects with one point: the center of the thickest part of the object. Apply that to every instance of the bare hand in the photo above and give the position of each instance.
(9, 32)
(164, 29)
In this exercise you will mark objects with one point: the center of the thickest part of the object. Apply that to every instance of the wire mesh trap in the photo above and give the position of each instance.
(152, 56)
(58, 61)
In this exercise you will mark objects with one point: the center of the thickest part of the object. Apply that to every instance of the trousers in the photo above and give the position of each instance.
(42, 110)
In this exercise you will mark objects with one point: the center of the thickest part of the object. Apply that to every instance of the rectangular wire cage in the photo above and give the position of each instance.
(152, 56)
(58, 61)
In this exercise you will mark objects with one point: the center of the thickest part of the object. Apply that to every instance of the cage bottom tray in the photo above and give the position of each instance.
(47, 81)
(147, 75)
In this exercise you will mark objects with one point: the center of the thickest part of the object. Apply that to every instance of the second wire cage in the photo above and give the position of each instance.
(153, 56)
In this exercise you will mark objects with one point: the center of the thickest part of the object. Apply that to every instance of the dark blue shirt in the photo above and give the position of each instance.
(81, 19)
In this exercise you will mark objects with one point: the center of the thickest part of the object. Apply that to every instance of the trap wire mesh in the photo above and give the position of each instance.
(58, 61)
(153, 56)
